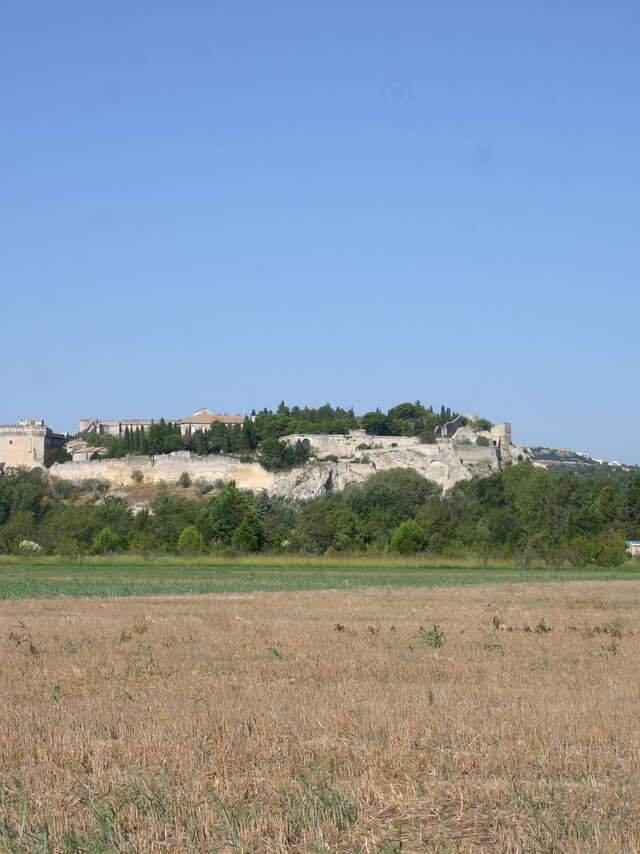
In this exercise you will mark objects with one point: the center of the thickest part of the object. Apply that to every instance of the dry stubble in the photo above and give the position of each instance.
(324, 721)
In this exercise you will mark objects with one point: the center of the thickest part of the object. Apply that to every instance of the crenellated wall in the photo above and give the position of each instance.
(23, 445)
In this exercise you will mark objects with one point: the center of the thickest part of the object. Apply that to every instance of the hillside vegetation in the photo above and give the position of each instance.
(523, 513)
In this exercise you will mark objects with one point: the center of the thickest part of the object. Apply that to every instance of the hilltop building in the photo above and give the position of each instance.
(115, 427)
(23, 445)
(202, 419)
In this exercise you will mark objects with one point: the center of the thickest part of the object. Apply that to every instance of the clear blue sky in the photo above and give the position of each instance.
(225, 204)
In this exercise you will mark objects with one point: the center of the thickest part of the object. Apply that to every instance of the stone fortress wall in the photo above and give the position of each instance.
(325, 445)
(446, 462)
(359, 443)
(166, 468)
(23, 444)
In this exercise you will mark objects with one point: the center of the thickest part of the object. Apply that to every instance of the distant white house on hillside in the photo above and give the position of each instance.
(633, 548)
(202, 419)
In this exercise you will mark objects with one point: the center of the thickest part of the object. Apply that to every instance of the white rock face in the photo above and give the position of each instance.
(446, 462)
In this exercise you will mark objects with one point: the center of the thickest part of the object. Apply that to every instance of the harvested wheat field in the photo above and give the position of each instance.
(490, 718)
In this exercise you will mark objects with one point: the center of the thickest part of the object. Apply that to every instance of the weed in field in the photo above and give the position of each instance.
(490, 643)
(608, 649)
(22, 638)
(141, 661)
(69, 647)
(554, 828)
(232, 823)
(140, 628)
(275, 652)
(316, 805)
(434, 637)
(542, 628)
(540, 666)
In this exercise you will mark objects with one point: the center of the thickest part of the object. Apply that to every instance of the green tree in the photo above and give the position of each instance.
(631, 506)
(191, 541)
(375, 423)
(248, 536)
(275, 455)
(318, 523)
(224, 513)
(388, 498)
(349, 532)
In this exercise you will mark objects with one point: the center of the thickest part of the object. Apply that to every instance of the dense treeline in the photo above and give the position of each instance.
(523, 512)
(259, 437)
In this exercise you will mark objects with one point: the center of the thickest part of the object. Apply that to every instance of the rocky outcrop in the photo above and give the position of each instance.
(446, 463)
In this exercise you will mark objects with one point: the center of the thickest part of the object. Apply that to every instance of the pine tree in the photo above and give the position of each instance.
(248, 536)
(249, 430)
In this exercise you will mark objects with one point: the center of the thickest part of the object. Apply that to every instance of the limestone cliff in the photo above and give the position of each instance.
(446, 462)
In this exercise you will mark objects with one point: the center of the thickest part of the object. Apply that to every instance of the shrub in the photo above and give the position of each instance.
(137, 476)
(407, 538)
(68, 547)
(482, 424)
(201, 486)
(612, 554)
(64, 488)
(184, 480)
(191, 541)
(29, 547)
(105, 542)
(93, 484)
(482, 440)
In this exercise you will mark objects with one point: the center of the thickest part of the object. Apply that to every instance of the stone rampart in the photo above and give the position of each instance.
(166, 468)
(325, 445)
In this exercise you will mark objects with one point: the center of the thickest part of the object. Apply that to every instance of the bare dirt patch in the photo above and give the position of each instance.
(497, 718)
